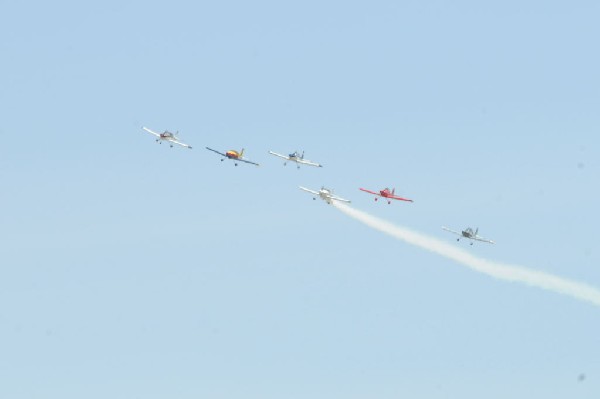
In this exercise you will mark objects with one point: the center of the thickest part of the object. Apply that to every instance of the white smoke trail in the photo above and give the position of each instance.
(498, 270)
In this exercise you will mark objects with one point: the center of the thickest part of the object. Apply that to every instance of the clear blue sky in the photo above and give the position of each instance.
(131, 270)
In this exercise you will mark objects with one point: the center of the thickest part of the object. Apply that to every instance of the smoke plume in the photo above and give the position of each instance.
(498, 270)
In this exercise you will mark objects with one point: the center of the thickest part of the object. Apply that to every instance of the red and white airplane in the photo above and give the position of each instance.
(233, 155)
(386, 193)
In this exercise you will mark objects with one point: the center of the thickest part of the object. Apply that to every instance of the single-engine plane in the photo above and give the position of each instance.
(234, 156)
(296, 157)
(167, 136)
(470, 234)
(387, 194)
(325, 194)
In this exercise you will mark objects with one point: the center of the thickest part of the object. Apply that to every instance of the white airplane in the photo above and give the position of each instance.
(470, 234)
(166, 136)
(326, 194)
(296, 157)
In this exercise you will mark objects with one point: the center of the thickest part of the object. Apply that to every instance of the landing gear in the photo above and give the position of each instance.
(389, 202)
(171, 145)
(285, 163)
(458, 239)
(376, 199)
(236, 164)
(222, 160)
(298, 166)
(471, 243)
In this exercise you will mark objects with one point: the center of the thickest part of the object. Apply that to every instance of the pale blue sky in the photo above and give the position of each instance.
(131, 270)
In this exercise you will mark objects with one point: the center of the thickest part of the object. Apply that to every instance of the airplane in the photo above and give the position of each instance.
(326, 194)
(386, 193)
(296, 157)
(470, 234)
(234, 155)
(167, 136)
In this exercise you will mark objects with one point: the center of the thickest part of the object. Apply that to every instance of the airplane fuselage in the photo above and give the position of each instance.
(325, 195)
(232, 154)
(166, 136)
(294, 157)
(385, 193)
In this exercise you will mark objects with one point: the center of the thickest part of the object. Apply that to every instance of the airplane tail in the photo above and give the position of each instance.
(242, 153)
(476, 230)
(393, 191)
(302, 157)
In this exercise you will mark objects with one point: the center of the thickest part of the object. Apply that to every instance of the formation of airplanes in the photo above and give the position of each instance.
(326, 194)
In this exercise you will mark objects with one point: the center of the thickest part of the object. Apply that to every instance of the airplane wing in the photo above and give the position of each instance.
(310, 163)
(250, 162)
(151, 132)
(483, 240)
(279, 155)
(335, 197)
(308, 190)
(180, 143)
(451, 231)
(400, 198)
(369, 191)
(220, 153)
